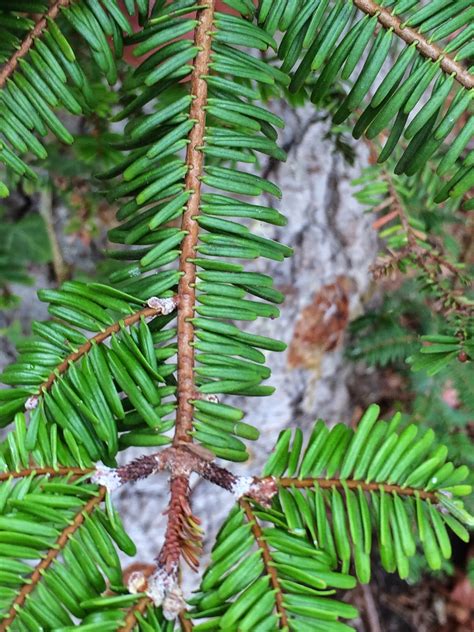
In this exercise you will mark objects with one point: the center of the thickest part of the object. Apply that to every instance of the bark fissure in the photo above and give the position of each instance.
(267, 560)
(195, 164)
(52, 554)
(424, 46)
(28, 42)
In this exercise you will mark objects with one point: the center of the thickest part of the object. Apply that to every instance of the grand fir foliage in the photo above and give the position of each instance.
(141, 361)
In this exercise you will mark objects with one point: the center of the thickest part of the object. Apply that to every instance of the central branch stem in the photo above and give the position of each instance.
(182, 537)
(195, 163)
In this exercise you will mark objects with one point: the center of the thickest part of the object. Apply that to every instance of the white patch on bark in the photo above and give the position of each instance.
(173, 603)
(210, 397)
(165, 305)
(136, 583)
(32, 402)
(242, 486)
(163, 589)
(107, 477)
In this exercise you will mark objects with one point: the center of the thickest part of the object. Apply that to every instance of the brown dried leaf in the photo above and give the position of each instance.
(321, 325)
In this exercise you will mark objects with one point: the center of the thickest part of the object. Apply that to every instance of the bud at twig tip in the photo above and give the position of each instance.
(165, 305)
(32, 402)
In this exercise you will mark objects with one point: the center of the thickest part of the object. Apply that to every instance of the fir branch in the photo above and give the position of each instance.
(50, 471)
(52, 554)
(182, 536)
(28, 42)
(267, 560)
(183, 460)
(424, 46)
(147, 312)
(383, 347)
(329, 483)
(131, 617)
(195, 164)
(428, 258)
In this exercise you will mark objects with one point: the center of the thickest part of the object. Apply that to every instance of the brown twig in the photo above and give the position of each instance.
(40, 471)
(424, 46)
(147, 312)
(27, 43)
(328, 483)
(449, 299)
(52, 554)
(183, 460)
(195, 163)
(131, 618)
(186, 624)
(267, 560)
(397, 206)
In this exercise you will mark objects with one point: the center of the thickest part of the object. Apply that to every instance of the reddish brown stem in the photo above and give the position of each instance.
(27, 43)
(131, 618)
(40, 471)
(195, 164)
(398, 207)
(328, 483)
(182, 537)
(184, 459)
(186, 624)
(147, 312)
(50, 557)
(267, 560)
(425, 47)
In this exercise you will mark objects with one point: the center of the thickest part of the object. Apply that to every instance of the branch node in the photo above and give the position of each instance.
(208, 397)
(242, 486)
(32, 402)
(137, 583)
(162, 588)
(107, 477)
(165, 305)
(261, 490)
